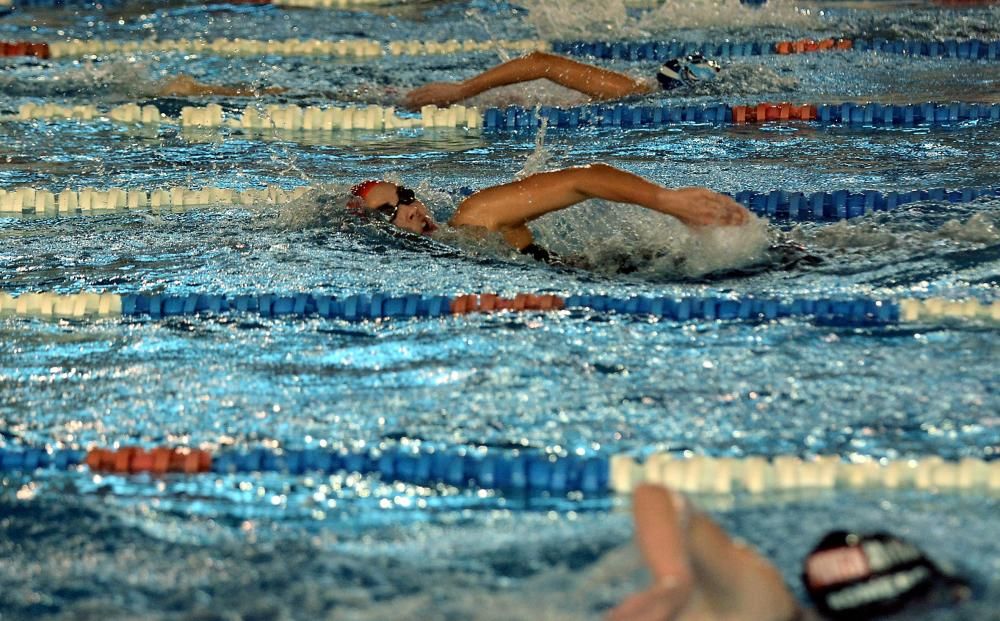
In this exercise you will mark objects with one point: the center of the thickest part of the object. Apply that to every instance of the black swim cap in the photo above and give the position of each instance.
(852, 576)
(686, 71)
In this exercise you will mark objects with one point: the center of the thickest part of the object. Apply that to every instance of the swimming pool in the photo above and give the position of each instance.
(591, 382)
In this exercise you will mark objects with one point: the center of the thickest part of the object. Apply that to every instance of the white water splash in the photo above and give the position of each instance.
(323, 206)
(979, 228)
(114, 77)
(569, 19)
(742, 79)
(613, 238)
(528, 94)
(539, 158)
(729, 14)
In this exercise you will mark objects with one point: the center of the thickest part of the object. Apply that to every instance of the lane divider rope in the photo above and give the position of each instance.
(972, 49)
(532, 471)
(87, 201)
(343, 48)
(121, 4)
(339, 4)
(776, 204)
(857, 116)
(293, 120)
(289, 119)
(842, 312)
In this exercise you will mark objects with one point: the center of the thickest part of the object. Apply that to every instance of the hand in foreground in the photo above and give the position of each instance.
(703, 207)
(663, 601)
(435, 93)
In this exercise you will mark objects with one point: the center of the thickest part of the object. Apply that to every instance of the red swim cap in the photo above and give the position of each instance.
(362, 189)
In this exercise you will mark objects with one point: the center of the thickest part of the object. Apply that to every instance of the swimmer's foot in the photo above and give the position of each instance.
(180, 86)
(789, 255)
(185, 86)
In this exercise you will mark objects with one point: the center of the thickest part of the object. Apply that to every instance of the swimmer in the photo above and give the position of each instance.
(699, 572)
(597, 83)
(507, 209)
(185, 86)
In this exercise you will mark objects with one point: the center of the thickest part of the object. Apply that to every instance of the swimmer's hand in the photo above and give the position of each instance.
(702, 207)
(435, 93)
(663, 601)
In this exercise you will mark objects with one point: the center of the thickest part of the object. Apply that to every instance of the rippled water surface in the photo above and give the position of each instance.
(270, 546)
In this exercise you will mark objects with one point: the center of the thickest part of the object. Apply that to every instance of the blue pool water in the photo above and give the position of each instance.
(273, 546)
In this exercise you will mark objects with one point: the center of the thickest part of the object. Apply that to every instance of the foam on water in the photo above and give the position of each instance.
(612, 238)
(974, 225)
(571, 19)
(88, 78)
(575, 19)
(976, 22)
(730, 15)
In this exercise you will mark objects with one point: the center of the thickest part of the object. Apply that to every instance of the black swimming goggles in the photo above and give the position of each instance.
(404, 196)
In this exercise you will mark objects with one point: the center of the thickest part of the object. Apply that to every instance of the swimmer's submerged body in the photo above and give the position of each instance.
(699, 573)
(184, 85)
(507, 209)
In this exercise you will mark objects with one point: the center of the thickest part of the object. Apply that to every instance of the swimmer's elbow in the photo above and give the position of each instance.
(540, 57)
(601, 167)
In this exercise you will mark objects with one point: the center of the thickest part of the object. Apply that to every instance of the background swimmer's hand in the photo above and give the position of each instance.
(660, 602)
(435, 93)
(703, 207)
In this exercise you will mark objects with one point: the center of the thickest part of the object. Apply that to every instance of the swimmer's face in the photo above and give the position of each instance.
(402, 208)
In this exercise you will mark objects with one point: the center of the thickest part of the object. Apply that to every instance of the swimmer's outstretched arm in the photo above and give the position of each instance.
(508, 208)
(594, 81)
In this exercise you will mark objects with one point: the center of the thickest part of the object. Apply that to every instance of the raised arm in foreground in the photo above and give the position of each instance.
(698, 571)
(594, 81)
(508, 208)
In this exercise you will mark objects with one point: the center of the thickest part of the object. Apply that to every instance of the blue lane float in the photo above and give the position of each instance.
(863, 116)
(973, 49)
(351, 308)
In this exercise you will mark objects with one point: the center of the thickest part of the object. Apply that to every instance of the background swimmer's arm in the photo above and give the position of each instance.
(509, 207)
(590, 80)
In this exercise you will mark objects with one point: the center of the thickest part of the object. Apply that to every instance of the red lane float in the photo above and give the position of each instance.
(761, 113)
(489, 302)
(810, 45)
(24, 48)
(130, 460)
